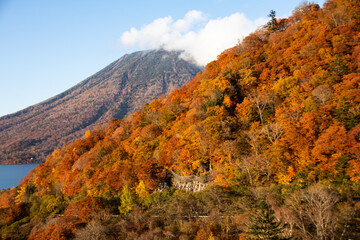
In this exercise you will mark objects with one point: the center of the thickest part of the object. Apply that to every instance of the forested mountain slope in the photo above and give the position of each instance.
(273, 125)
(119, 89)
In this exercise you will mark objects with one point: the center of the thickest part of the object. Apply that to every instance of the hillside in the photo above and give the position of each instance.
(119, 89)
(264, 144)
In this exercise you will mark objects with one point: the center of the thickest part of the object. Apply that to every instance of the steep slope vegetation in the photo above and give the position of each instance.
(274, 124)
(119, 89)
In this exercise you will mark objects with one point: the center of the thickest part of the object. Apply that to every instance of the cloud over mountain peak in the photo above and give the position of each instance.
(200, 37)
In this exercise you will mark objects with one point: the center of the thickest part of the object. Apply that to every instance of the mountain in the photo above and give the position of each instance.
(264, 144)
(119, 89)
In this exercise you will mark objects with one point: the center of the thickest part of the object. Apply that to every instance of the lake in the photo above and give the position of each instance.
(10, 175)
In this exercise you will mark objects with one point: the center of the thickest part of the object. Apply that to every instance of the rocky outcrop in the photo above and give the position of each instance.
(193, 186)
(190, 183)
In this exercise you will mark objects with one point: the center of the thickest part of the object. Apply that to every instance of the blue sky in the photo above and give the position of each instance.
(47, 46)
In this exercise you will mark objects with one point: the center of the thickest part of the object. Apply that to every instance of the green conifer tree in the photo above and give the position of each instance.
(263, 224)
(272, 25)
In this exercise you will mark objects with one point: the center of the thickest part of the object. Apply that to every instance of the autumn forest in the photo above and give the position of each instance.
(263, 144)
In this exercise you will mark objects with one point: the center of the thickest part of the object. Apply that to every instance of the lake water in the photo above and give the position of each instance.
(10, 175)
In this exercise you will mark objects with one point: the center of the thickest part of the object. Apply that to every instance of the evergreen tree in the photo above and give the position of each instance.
(272, 25)
(263, 224)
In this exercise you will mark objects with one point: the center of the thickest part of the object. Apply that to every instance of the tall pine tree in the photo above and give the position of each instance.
(272, 25)
(263, 224)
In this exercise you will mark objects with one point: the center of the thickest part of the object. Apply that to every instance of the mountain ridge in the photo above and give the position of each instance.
(113, 92)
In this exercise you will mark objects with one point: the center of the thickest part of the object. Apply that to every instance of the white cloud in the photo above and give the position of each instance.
(191, 18)
(201, 38)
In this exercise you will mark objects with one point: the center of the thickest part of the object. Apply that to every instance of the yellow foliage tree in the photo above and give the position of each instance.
(21, 194)
(127, 201)
(141, 190)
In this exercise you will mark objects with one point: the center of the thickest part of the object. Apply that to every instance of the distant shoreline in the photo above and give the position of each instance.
(20, 164)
